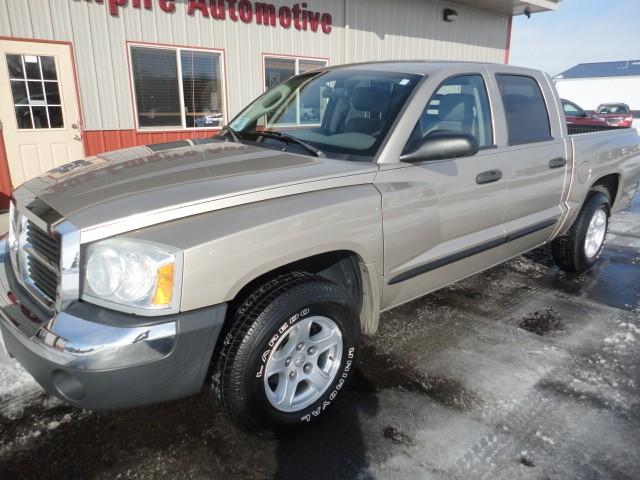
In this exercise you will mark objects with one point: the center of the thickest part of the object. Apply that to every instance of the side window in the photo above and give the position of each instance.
(570, 109)
(459, 105)
(525, 110)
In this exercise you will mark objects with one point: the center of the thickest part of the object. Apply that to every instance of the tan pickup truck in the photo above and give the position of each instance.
(253, 261)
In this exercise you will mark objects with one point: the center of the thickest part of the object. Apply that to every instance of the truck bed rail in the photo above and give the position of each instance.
(578, 129)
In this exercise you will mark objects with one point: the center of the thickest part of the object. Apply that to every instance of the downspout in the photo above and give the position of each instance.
(508, 42)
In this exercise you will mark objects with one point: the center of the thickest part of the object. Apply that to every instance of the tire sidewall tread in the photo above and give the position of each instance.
(568, 250)
(236, 383)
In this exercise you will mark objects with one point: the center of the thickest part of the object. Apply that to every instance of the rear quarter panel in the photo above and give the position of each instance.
(596, 155)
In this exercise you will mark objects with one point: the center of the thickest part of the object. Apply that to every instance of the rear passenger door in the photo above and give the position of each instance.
(536, 160)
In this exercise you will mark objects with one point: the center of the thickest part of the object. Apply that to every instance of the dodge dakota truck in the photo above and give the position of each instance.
(253, 261)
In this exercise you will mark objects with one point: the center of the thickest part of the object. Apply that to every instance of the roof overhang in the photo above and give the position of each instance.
(510, 7)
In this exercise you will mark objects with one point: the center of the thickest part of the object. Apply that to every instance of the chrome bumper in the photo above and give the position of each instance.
(74, 342)
(97, 358)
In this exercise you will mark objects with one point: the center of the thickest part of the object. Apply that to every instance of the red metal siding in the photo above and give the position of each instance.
(99, 141)
(5, 177)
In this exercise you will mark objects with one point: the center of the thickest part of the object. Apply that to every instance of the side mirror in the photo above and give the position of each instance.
(442, 145)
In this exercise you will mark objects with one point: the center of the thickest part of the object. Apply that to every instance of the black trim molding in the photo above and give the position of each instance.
(441, 262)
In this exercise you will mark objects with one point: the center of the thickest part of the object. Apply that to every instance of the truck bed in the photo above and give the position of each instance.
(600, 152)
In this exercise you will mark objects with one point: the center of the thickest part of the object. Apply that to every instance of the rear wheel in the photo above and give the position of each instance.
(578, 250)
(289, 353)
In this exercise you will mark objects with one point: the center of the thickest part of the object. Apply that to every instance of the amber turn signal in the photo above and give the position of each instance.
(164, 286)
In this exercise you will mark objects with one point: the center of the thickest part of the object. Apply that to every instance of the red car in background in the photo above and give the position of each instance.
(578, 116)
(615, 114)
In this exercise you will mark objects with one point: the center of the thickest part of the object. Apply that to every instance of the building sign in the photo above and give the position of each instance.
(298, 16)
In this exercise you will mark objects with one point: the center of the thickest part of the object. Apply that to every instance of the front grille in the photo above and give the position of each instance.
(43, 259)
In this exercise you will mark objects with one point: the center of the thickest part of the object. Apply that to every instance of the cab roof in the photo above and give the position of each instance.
(426, 67)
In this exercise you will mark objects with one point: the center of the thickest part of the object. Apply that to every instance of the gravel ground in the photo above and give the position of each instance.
(519, 372)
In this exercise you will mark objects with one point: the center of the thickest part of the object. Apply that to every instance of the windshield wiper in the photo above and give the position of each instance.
(285, 137)
(232, 132)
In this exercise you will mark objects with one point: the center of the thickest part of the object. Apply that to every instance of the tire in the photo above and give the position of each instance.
(265, 337)
(570, 251)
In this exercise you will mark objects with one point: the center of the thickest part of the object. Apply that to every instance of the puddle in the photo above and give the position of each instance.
(541, 322)
(617, 284)
(379, 372)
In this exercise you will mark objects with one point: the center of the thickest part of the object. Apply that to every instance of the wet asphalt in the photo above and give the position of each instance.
(521, 371)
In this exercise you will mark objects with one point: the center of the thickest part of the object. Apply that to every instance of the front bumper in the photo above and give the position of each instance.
(96, 358)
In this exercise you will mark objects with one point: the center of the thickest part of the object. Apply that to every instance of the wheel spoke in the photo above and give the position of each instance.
(318, 379)
(275, 366)
(288, 392)
(325, 342)
(294, 337)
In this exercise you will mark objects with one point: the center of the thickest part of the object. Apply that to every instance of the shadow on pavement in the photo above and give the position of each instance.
(335, 447)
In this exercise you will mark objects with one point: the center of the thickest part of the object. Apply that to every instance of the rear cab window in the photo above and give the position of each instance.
(525, 109)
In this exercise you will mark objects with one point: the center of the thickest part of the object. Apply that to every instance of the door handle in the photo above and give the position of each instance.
(488, 177)
(557, 162)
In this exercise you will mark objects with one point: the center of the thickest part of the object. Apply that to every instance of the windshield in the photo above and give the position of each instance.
(613, 109)
(342, 113)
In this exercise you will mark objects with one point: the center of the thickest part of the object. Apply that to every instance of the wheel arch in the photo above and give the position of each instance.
(344, 267)
(609, 184)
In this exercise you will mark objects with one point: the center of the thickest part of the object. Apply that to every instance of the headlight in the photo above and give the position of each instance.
(143, 277)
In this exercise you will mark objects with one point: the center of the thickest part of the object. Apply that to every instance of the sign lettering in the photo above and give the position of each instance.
(298, 15)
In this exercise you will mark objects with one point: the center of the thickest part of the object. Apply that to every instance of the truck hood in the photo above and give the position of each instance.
(135, 187)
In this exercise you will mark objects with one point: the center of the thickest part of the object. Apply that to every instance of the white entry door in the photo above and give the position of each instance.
(38, 107)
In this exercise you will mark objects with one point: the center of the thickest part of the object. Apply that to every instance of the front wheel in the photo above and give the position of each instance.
(288, 354)
(578, 250)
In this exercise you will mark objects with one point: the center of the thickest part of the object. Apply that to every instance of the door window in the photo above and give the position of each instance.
(525, 109)
(35, 90)
(461, 105)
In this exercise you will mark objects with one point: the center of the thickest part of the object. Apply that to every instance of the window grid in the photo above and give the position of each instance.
(296, 71)
(178, 51)
(26, 80)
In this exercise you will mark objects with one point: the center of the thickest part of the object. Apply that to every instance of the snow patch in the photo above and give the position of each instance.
(549, 440)
(18, 389)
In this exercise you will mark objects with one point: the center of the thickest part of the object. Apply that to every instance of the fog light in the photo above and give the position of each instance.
(67, 386)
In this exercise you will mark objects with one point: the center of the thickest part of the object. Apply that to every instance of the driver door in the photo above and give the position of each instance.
(443, 218)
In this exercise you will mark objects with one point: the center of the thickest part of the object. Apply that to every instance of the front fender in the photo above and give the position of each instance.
(226, 249)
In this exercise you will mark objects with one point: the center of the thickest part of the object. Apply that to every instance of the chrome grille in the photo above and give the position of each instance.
(42, 254)
(45, 246)
(44, 249)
